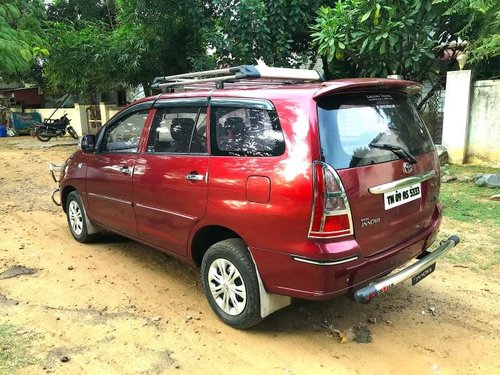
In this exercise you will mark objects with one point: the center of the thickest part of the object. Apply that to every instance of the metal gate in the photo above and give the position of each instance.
(94, 120)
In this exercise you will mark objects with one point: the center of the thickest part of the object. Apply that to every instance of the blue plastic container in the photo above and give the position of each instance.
(3, 131)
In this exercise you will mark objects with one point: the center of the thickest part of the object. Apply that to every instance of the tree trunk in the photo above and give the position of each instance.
(147, 88)
(429, 95)
(326, 72)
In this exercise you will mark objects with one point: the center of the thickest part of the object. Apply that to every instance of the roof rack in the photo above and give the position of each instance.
(236, 74)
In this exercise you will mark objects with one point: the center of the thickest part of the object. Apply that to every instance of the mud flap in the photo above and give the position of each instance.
(269, 303)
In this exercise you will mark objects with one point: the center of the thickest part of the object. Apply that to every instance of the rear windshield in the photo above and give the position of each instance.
(349, 124)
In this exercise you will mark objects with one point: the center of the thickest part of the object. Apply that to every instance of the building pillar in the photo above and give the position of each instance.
(456, 114)
(82, 127)
(104, 112)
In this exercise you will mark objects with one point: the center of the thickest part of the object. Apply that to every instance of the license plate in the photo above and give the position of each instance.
(401, 196)
(422, 275)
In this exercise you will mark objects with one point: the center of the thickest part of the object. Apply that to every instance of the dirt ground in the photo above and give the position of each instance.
(118, 307)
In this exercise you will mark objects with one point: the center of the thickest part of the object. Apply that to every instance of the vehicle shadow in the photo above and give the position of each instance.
(405, 305)
(339, 314)
(111, 238)
(414, 308)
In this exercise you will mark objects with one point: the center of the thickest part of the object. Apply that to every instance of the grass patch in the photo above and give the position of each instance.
(465, 201)
(469, 213)
(495, 261)
(16, 348)
(469, 170)
(478, 248)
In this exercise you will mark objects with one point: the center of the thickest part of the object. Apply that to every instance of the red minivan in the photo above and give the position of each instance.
(272, 182)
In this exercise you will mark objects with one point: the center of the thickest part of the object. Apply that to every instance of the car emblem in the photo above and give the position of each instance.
(407, 167)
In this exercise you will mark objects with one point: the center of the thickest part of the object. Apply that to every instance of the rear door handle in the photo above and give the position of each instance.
(193, 176)
(127, 171)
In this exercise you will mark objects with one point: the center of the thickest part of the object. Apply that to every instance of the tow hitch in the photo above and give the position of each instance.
(416, 271)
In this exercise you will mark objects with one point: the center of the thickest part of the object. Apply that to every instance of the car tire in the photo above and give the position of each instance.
(230, 283)
(77, 218)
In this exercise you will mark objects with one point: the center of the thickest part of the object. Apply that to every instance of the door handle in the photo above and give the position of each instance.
(127, 171)
(193, 176)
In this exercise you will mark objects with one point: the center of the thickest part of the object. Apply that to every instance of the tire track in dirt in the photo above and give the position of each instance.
(118, 307)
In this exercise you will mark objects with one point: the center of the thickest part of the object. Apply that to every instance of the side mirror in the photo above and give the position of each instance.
(87, 143)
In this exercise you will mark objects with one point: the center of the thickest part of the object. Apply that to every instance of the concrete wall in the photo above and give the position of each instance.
(108, 111)
(484, 123)
(73, 115)
(113, 111)
(471, 124)
(77, 115)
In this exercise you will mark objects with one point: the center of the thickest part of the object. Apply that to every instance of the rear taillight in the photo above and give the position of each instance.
(331, 215)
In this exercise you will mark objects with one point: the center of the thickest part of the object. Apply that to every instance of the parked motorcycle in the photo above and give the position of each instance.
(54, 128)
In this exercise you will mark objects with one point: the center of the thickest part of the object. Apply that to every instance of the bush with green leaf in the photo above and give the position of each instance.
(20, 36)
(241, 32)
(375, 38)
(478, 23)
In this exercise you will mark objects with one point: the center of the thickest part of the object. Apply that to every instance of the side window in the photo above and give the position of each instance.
(178, 130)
(246, 132)
(124, 135)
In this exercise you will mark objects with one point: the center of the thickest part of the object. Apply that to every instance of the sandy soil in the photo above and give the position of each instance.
(118, 307)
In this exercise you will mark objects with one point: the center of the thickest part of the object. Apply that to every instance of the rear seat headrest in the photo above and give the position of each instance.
(235, 123)
(181, 129)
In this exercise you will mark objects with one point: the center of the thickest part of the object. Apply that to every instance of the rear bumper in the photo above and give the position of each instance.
(338, 267)
(364, 295)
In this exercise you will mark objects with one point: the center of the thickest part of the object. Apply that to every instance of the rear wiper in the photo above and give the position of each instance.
(398, 150)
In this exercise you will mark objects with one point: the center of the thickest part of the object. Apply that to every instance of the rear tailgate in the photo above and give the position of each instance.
(386, 160)
(376, 227)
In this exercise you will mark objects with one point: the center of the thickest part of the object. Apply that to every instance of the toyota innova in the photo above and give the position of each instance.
(272, 182)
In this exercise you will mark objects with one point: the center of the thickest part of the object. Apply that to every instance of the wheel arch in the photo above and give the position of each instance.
(207, 236)
(64, 195)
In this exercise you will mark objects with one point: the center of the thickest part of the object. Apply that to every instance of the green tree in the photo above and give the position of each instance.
(140, 40)
(156, 37)
(371, 38)
(478, 23)
(82, 61)
(20, 36)
(240, 32)
(79, 12)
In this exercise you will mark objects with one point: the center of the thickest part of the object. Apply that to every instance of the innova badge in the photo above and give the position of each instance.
(407, 167)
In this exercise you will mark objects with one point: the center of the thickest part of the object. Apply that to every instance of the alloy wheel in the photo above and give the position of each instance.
(227, 286)
(75, 218)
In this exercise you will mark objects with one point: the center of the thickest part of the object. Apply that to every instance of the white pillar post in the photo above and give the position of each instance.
(456, 115)
(104, 112)
(82, 127)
